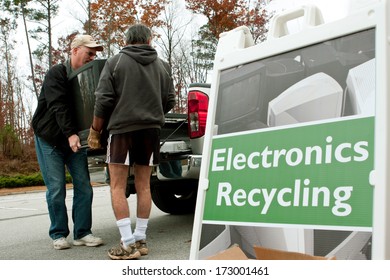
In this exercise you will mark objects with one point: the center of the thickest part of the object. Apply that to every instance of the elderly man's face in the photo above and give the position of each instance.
(82, 55)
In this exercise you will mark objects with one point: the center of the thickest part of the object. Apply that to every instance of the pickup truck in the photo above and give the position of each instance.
(174, 182)
(197, 108)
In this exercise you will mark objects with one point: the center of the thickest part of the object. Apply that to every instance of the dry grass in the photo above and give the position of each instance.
(18, 166)
(25, 164)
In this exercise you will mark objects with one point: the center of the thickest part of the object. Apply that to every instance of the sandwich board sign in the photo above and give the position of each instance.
(294, 176)
(296, 139)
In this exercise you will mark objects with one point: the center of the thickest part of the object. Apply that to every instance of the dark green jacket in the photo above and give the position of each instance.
(135, 90)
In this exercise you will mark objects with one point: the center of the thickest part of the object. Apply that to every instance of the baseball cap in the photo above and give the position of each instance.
(86, 41)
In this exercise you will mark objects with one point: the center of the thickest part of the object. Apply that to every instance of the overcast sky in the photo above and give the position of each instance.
(331, 10)
(71, 11)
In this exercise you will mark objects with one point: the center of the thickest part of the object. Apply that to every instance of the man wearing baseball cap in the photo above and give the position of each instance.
(86, 41)
(88, 48)
(58, 146)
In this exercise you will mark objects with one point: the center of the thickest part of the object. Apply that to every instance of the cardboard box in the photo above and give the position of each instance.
(233, 253)
(272, 254)
(262, 253)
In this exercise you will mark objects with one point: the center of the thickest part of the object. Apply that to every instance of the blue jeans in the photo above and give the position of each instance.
(52, 161)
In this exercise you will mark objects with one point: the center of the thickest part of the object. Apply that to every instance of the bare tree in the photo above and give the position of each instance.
(10, 116)
(15, 9)
(85, 17)
(170, 38)
(6, 26)
(41, 16)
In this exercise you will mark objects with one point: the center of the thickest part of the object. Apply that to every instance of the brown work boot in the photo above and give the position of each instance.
(120, 253)
(142, 247)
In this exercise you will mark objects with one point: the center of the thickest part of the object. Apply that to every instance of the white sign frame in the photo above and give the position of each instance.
(376, 15)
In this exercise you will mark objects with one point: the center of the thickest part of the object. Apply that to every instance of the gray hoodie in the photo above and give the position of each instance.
(135, 90)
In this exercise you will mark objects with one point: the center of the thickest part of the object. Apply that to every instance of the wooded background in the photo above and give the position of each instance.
(188, 49)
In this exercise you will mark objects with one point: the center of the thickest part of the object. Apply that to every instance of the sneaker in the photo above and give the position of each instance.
(61, 243)
(142, 247)
(88, 240)
(120, 253)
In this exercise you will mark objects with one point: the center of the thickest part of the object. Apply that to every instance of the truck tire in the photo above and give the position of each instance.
(176, 197)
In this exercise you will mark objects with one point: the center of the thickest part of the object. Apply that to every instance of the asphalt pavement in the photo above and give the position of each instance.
(24, 225)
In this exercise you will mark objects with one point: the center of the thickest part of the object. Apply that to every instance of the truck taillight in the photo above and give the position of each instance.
(198, 103)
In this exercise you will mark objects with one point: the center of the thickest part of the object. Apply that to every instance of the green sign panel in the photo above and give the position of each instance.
(308, 175)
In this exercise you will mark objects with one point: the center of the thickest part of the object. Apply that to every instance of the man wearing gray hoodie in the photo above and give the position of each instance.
(134, 93)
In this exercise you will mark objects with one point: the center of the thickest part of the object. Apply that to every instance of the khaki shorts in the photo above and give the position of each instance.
(141, 147)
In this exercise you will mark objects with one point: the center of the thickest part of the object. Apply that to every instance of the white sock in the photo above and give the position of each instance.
(127, 236)
(140, 229)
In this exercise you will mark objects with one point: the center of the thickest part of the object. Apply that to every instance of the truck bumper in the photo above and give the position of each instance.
(186, 167)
